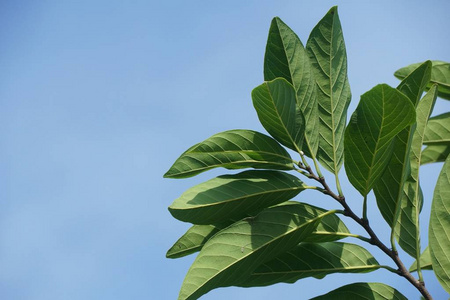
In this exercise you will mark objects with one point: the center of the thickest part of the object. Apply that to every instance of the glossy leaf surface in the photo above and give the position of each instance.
(439, 228)
(235, 252)
(234, 196)
(326, 50)
(363, 290)
(381, 114)
(276, 105)
(313, 260)
(286, 57)
(233, 149)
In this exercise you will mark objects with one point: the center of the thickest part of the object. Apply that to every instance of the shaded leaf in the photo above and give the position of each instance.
(407, 229)
(233, 149)
(234, 196)
(313, 260)
(435, 153)
(363, 290)
(425, 261)
(276, 105)
(440, 75)
(389, 188)
(381, 114)
(326, 50)
(236, 251)
(438, 130)
(286, 57)
(439, 228)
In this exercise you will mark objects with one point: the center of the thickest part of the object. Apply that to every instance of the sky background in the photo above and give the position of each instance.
(98, 99)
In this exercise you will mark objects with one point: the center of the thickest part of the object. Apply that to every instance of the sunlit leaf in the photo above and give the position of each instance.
(439, 228)
(435, 153)
(326, 50)
(425, 261)
(438, 130)
(363, 290)
(233, 149)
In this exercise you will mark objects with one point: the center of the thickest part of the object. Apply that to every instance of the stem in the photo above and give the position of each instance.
(365, 208)
(374, 240)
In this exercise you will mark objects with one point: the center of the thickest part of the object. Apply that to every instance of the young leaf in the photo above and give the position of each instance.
(326, 50)
(438, 130)
(233, 149)
(276, 105)
(235, 252)
(286, 57)
(234, 196)
(440, 75)
(312, 260)
(407, 225)
(439, 229)
(389, 188)
(425, 261)
(381, 114)
(363, 290)
(434, 153)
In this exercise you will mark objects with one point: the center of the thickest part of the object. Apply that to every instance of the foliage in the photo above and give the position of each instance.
(246, 226)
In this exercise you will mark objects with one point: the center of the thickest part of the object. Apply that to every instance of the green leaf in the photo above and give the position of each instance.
(407, 225)
(276, 105)
(381, 114)
(286, 57)
(313, 260)
(363, 290)
(438, 130)
(326, 50)
(389, 188)
(439, 229)
(233, 149)
(235, 252)
(234, 196)
(440, 75)
(425, 261)
(435, 153)
(331, 228)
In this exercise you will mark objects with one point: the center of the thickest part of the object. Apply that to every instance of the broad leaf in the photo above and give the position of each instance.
(439, 229)
(276, 105)
(326, 50)
(407, 225)
(313, 260)
(381, 114)
(440, 74)
(234, 196)
(286, 57)
(235, 252)
(438, 130)
(389, 188)
(435, 153)
(425, 261)
(233, 149)
(330, 229)
(363, 290)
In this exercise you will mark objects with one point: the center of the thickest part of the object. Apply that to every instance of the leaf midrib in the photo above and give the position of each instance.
(317, 270)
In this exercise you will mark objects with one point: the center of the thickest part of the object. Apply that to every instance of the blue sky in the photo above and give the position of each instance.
(98, 98)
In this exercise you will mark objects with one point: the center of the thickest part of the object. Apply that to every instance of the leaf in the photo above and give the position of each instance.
(330, 229)
(425, 261)
(381, 114)
(407, 229)
(234, 196)
(235, 252)
(439, 228)
(286, 57)
(435, 153)
(440, 74)
(438, 130)
(233, 149)
(326, 50)
(276, 105)
(389, 188)
(313, 260)
(363, 290)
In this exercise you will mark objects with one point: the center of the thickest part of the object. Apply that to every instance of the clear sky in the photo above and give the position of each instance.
(98, 98)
